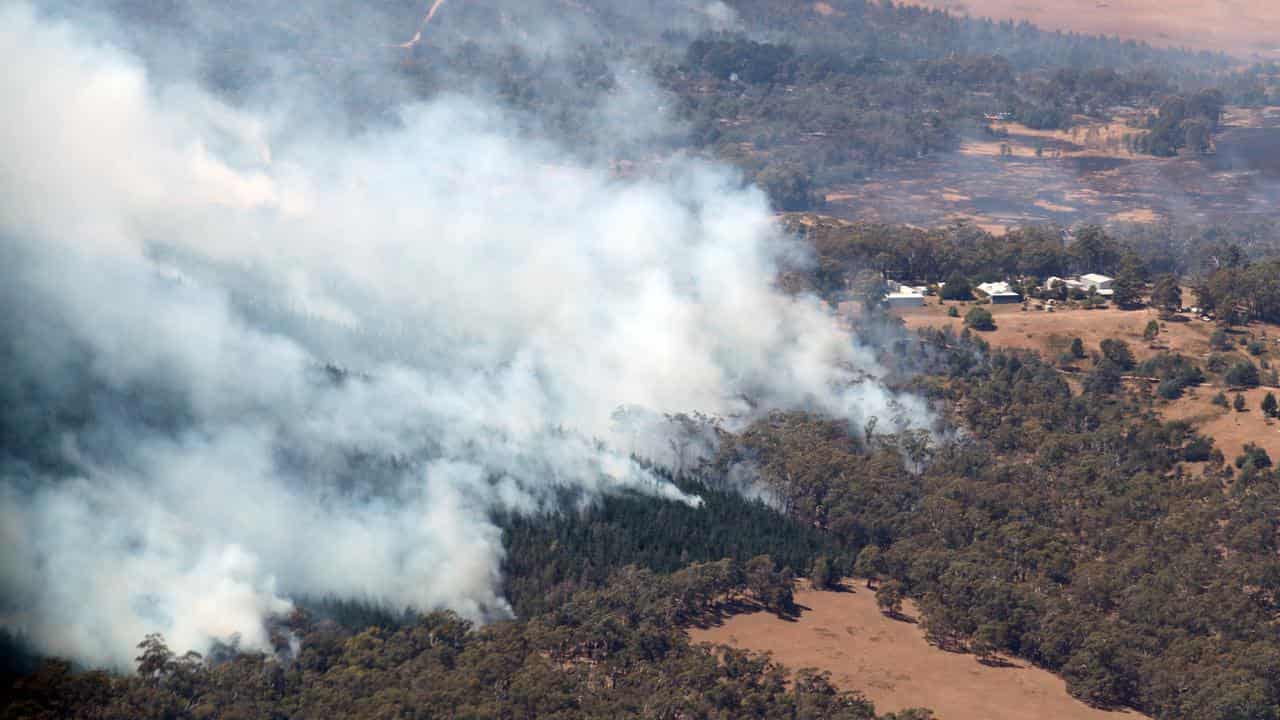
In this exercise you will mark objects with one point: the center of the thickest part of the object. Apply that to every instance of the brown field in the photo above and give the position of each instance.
(1229, 429)
(890, 662)
(1080, 175)
(1248, 29)
(1050, 333)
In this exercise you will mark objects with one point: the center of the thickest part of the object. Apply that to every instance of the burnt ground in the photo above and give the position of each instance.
(1072, 181)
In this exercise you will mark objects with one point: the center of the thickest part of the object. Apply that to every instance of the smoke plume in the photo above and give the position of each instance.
(247, 359)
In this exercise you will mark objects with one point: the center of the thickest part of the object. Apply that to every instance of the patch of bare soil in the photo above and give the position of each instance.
(892, 664)
(1249, 29)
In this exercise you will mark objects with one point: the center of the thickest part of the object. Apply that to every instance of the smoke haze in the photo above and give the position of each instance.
(248, 359)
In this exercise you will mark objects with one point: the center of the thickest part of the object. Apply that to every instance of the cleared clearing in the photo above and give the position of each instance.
(890, 662)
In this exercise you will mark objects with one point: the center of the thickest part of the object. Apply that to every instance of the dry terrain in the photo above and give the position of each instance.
(1050, 334)
(1081, 175)
(1230, 430)
(1248, 29)
(889, 661)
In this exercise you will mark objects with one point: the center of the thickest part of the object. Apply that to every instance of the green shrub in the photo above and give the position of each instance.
(1270, 407)
(1118, 352)
(1220, 362)
(1220, 340)
(979, 319)
(1243, 374)
(1170, 389)
(1253, 457)
(1200, 449)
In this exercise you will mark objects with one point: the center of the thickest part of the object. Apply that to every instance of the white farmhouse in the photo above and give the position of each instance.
(901, 296)
(999, 292)
(1104, 285)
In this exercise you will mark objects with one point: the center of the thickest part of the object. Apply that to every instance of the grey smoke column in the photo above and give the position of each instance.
(245, 361)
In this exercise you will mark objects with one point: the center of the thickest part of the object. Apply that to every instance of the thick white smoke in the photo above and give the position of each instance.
(310, 364)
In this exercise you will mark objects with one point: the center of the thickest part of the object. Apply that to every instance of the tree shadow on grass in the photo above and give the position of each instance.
(725, 610)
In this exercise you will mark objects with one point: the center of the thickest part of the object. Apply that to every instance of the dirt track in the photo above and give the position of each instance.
(890, 662)
(1249, 29)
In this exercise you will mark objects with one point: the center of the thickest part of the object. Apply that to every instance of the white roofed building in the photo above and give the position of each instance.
(1101, 283)
(904, 296)
(999, 292)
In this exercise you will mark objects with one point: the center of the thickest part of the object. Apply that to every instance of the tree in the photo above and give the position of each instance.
(1118, 352)
(788, 186)
(773, 589)
(1196, 136)
(957, 287)
(979, 319)
(1104, 379)
(1151, 331)
(1166, 294)
(1239, 403)
(1094, 250)
(1243, 374)
(156, 658)
(822, 574)
(1253, 457)
(986, 642)
(889, 597)
(1199, 449)
(867, 287)
(1077, 348)
(1126, 290)
(869, 564)
(1270, 407)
